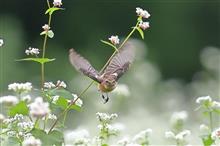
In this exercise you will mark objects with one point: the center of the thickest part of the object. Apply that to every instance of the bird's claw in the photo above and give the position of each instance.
(105, 99)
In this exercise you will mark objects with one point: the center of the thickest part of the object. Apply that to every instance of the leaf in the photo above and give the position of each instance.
(61, 92)
(50, 34)
(140, 32)
(63, 103)
(53, 9)
(207, 141)
(10, 141)
(39, 60)
(20, 108)
(53, 138)
(43, 33)
(107, 43)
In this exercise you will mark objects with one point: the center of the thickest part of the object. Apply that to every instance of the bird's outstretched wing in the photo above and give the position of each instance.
(82, 65)
(121, 61)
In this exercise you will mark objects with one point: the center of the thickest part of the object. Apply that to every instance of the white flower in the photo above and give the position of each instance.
(46, 27)
(32, 51)
(57, 3)
(31, 141)
(179, 117)
(26, 98)
(54, 99)
(52, 117)
(216, 134)
(142, 137)
(169, 135)
(144, 25)
(9, 100)
(79, 102)
(11, 133)
(216, 105)
(114, 39)
(103, 117)
(26, 125)
(122, 89)
(61, 84)
(204, 129)
(39, 108)
(1, 42)
(79, 136)
(180, 136)
(123, 142)
(49, 85)
(20, 87)
(142, 13)
(203, 99)
(2, 118)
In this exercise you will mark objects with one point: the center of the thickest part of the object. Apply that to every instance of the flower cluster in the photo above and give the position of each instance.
(142, 14)
(9, 100)
(114, 40)
(57, 3)
(208, 104)
(180, 138)
(177, 120)
(32, 51)
(39, 108)
(78, 137)
(31, 141)
(20, 87)
(47, 31)
(106, 118)
(142, 138)
(59, 84)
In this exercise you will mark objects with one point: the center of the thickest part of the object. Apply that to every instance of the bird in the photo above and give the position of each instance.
(107, 79)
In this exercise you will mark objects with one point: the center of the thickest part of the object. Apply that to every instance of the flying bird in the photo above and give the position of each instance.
(107, 80)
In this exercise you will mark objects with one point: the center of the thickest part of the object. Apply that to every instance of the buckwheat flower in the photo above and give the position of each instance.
(114, 40)
(26, 98)
(122, 89)
(57, 3)
(32, 51)
(1, 42)
(103, 117)
(46, 27)
(54, 99)
(18, 117)
(216, 134)
(49, 85)
(31, 141)
(144, 25)
(123, 142)
(143, 136)
(169, 135)
(26, 125)
(79, 136)
(39, 108)
(216, 105)
(9, 100)
(20, 87)
(52, 117)
(203, 99)
(2, 118)
(142, 13)
(61, 84)
(11, 133)
(79, 102)
(178, 118)
(204, 129)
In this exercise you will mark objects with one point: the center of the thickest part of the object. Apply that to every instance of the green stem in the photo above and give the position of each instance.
(84, 91)
(211, 121)
(36, 123)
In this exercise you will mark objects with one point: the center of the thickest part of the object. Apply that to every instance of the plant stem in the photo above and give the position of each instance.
(44, 51)
(211, 121)
(84, 91)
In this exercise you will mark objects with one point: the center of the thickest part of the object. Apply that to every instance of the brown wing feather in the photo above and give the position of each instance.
(82, 65)
(121, 61)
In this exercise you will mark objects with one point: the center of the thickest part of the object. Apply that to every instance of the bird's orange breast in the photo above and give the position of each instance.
(105, 88)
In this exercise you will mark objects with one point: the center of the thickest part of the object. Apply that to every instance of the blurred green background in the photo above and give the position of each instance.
(169, 61)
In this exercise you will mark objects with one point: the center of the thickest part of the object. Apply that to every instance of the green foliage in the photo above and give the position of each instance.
(53, 9)
(53, 138)
(20, 108)
(207, 140)
(39, 60)
(10, 141)
(140, 32)
(109, 44)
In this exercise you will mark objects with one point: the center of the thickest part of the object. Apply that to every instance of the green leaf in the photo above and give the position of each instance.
(109, 44)
(20, 108)
(140, 32)
(207, 141)
(63, 103)
(53, 138)
(39, 60)
(53, 9)
(10, 141)
(61, 92)
(50, 34)
(43, 33)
